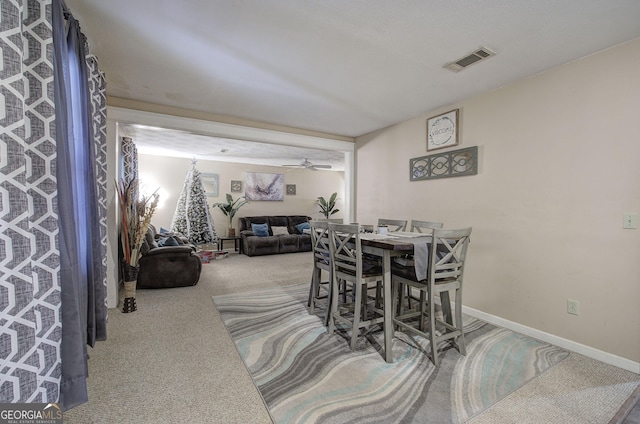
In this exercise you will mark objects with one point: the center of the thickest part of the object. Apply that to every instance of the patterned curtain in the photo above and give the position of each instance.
(38, 365)
(80, 216)
(129, 160)
(98, 95)
(30, 299)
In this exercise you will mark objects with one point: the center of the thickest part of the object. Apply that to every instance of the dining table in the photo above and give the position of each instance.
(387, 246)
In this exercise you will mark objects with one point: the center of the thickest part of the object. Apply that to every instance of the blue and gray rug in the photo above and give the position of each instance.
(306, 375)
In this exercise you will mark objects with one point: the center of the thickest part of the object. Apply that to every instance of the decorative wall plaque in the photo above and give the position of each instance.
(236, 186)
(442, 130)
(456, 163)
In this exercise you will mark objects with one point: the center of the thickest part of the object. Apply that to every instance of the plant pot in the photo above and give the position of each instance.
(231, 232)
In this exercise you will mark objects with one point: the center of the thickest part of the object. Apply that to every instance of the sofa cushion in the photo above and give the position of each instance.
(278, 221)
(253, 220)
(280, 231)
(260, 230)
(257, 246)
(295, 220)
(288, 243)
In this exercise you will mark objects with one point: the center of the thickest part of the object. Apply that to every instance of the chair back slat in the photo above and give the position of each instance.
(448, 253)
(320, 243)
(346, 251)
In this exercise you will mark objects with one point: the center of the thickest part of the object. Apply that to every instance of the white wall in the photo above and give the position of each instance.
(169, 174)
(559, 165)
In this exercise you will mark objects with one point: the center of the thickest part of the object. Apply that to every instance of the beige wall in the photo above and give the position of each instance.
(559, 165)
(169, 174)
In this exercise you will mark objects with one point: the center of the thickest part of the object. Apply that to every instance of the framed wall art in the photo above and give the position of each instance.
(454, 163)
(236, 186)
(263, 186)
(210, 182)
(291, 189)
(442, 130)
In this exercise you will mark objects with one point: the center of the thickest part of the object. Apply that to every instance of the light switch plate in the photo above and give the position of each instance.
(630, 221)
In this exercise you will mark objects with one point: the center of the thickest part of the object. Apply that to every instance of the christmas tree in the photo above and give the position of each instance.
(192, 217)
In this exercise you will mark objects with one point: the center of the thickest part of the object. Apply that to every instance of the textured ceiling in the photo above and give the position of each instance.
(340, 67)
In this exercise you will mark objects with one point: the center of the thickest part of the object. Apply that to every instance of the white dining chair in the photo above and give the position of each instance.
(349, 267)
(425, 227)
(422, 227)
(319, 289)
(446, 259)
(393, 224)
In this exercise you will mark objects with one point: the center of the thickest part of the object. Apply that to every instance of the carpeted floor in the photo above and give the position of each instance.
(174, 361)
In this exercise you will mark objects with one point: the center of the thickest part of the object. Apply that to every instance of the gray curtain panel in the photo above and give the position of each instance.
(30, 296)
(129, 160)
(81, 236)
(52, 271)
(98, 96)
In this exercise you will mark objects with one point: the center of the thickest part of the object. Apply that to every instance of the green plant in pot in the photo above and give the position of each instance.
(229, 209)
(328, 207)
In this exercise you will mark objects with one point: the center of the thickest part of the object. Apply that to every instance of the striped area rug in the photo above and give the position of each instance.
(306, 375)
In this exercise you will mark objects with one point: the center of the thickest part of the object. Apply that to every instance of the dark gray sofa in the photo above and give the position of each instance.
(293, 241)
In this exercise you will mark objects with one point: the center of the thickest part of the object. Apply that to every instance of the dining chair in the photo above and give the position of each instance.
(349, 266)
(393, 224)
(445, 263)
(425, 227)
(321, 262)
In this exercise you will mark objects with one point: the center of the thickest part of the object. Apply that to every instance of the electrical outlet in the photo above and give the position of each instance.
(630, 221)
(573, 307)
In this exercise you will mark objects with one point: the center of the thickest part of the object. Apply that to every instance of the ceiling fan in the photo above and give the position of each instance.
(306, 164)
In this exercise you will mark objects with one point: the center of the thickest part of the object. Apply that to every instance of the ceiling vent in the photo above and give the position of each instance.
(477, 56)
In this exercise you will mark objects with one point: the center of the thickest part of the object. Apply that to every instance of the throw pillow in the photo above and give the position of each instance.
(279, 231)
(167, 241)
(260, 230)
(303, 226)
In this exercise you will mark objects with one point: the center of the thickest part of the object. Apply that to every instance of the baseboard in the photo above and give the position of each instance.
(588, 351)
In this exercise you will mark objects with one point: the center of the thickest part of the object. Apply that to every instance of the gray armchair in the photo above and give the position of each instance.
(167, 266)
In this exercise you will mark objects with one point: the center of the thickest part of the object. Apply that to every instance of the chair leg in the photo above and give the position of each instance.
(327, 311)
(459, 325)
(398, 296)
(423, 312)
(355, 330)
(334, 304)
(314, 289)
(432, 330)
(446, 307)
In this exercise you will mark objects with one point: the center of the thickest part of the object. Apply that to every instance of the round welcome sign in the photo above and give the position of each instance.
(442, 130)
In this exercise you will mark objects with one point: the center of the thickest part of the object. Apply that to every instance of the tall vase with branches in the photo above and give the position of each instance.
(136, 214)
(229, 209)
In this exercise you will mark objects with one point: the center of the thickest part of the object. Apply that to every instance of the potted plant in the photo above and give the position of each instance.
(328, 208)
(229, 209)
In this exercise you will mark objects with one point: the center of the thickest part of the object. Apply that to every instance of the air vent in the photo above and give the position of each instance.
(475, 57)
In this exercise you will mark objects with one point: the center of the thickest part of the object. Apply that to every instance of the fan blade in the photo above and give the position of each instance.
(321, 166)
